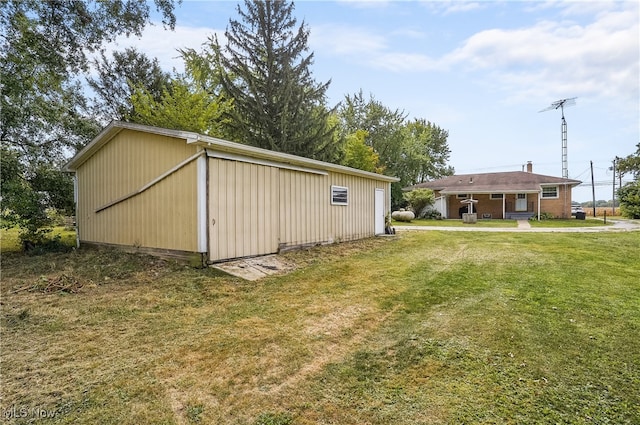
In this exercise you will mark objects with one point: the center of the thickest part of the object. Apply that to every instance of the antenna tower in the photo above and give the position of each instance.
(562, 103)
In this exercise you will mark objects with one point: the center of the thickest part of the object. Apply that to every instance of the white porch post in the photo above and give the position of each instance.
(539, 201)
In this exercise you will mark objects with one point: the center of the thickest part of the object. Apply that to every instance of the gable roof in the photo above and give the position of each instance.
(213, 143)
(504, 182)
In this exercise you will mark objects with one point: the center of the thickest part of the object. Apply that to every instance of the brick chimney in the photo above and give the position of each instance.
(529, 167)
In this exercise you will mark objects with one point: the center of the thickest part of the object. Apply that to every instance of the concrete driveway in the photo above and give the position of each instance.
(256, 268)
(524, 226)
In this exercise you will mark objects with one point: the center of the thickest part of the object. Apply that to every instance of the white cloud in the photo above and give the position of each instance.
(448, 7)
(163, 44)
(363, 46)
(405, 62)
(343, 40)
(601, 58)
(365, 4)
(561, 57)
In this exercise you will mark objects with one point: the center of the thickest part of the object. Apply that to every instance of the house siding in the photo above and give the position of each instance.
(559, 207)
(164, 216)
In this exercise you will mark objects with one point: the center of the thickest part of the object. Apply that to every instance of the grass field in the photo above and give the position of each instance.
(433, 328)
(555, 223)
(9, 241)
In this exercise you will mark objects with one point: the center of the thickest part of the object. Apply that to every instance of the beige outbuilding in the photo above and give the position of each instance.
(184, 194)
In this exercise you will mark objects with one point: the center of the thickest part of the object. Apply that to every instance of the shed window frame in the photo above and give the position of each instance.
(461, 196)
(550, 192)
(339, 195)
(496, 196)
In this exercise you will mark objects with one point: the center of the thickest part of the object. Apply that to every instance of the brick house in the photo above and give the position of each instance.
(508, 195)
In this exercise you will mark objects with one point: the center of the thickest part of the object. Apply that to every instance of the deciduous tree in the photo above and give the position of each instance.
(119, 77)
(425, 152)
(44, 47)
(191, 101)
(357, 154)
(630, 164)
(182, 106)
(413, 151)
(629, 196)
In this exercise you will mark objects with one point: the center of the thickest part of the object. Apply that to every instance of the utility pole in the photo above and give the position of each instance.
(613, 212)
(593, 191)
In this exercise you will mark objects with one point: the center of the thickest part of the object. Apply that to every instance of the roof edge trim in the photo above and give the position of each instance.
(115, 127)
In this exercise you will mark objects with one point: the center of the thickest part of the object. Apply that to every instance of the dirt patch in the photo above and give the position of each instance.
(257, 267)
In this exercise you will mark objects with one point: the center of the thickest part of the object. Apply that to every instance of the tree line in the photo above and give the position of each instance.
(257, 88)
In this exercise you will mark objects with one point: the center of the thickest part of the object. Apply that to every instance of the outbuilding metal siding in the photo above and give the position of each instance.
(164, 216)
(257, 209)
(160, 189)
(355, 220)
(303, 203)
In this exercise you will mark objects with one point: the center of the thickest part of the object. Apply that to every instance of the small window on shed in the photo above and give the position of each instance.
(461, 196)
(339, 195)
(497, 196)
(550, 192)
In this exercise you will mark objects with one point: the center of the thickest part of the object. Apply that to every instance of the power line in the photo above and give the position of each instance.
(602, 183)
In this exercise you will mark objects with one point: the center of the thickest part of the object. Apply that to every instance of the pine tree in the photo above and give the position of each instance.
(266, 71)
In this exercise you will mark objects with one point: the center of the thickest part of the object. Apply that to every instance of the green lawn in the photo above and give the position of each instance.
(555, 223)
(9, 241)
(456, 223)
(426, 327)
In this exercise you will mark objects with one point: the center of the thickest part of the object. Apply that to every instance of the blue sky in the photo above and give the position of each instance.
(480, 70)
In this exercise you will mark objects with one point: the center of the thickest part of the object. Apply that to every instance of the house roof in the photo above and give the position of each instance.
(213, 143)
(504, 182)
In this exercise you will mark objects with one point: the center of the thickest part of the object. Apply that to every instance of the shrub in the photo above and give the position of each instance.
(433, 214)
(419, 200)
(543, 216)
(629, 196)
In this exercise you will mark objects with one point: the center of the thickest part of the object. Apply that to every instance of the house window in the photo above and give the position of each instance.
(497, 195)
(461, 196)
(550, 192)
(339, 195)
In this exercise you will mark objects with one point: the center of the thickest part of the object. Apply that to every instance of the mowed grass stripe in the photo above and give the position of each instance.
(430, 327)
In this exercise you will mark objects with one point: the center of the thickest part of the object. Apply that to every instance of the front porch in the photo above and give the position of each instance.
(514, 206)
